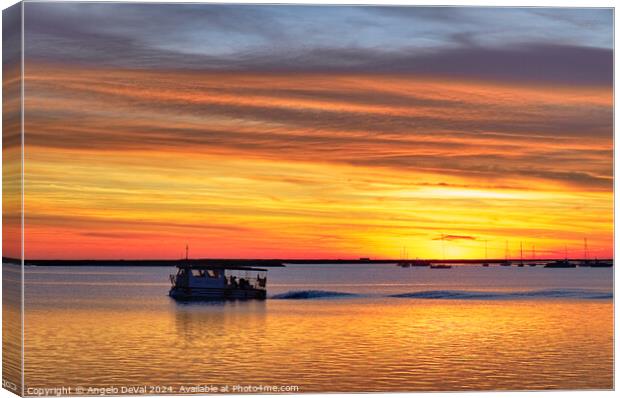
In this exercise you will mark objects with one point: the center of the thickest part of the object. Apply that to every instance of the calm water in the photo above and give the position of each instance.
(466, 328)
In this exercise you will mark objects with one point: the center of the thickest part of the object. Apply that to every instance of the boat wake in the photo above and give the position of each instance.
(484, 295)
(312, 294)
(575, 294)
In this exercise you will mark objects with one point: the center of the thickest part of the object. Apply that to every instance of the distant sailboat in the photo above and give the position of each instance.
(533, 257)
(443, 249)
(592, 264)
(404, 255)
(485, 263)
(506, 263)
(521, 260)
(586, 261)
(561, 263)
(420, 263)
(601, 264)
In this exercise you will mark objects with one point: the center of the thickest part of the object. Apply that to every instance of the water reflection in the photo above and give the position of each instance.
(11, 326)
(97, 336)
(196, 320)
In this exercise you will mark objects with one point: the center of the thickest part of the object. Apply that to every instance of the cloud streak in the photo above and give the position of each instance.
(455, 237)
(573, 47)
(468, 130)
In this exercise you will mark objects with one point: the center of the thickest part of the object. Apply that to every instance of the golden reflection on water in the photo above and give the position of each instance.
(328, 345)
(11, 327)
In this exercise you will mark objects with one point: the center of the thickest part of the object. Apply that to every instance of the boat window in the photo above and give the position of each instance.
(212, 273)
(197, 272)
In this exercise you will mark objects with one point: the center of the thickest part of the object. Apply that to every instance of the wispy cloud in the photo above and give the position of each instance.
(474, 131)
(571, 46)
(455, 237)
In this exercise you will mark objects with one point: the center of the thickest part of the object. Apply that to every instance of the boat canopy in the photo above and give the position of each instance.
(221, 267)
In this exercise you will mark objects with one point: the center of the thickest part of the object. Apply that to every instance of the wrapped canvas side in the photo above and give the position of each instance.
(12, 198)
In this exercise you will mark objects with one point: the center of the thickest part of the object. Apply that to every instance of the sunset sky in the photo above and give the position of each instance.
(316, 132)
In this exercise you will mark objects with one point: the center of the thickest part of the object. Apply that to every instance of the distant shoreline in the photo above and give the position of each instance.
(256, 262)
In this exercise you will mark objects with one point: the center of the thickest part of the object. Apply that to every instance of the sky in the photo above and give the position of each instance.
(317, 131)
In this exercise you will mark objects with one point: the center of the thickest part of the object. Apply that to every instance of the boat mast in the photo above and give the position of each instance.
(186, 252)
(443, 247)
(404, 253)
(585, 249)
(521, 247)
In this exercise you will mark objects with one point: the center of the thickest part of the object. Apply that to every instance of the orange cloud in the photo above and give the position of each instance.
(130, 164)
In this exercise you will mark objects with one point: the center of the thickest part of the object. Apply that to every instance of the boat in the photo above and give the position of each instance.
(506, 263)
(404, 263)
(420, 263)
(218, 282)
(586, 261)
(210, 282)
(601, 264)
(486, 255)
(521, 264)
(593, 264)
(440, 266)
(561, 263)
(533, 257)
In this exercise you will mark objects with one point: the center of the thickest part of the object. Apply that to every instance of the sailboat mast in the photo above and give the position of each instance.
(443, 246)
(485, 251)
(186, 252)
